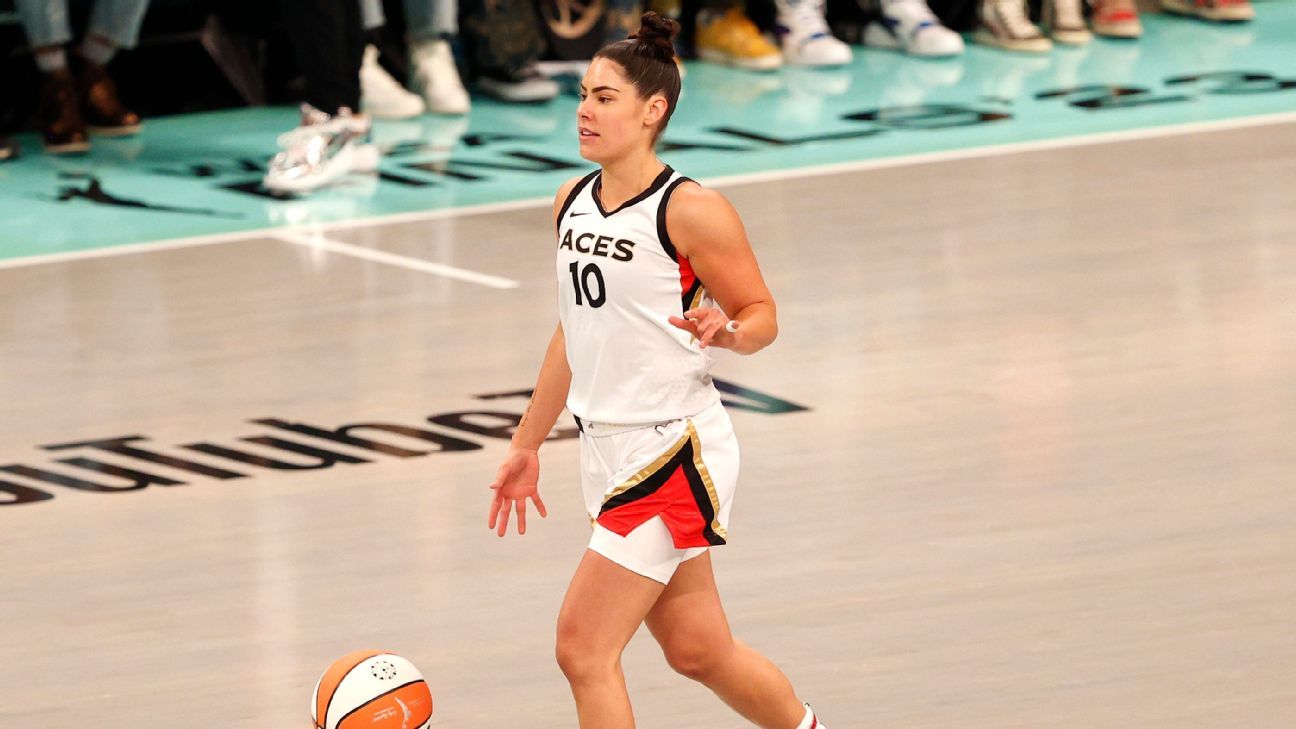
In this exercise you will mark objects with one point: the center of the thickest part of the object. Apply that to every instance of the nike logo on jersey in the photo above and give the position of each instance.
(575, 214)
(599, 245)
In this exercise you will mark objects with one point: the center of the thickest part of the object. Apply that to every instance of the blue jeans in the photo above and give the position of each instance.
(46, 21)
(425, 19)
(428, 19)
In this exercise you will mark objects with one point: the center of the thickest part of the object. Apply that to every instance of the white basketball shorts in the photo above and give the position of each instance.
(659, 494)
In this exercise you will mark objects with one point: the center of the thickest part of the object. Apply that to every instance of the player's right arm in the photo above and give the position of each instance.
(548, 399)
(518, 476)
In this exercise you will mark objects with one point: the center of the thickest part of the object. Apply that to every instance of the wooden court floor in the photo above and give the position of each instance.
(1045, 475)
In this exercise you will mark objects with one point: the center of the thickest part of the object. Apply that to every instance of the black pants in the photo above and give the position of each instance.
(328, 41)
(500, 36)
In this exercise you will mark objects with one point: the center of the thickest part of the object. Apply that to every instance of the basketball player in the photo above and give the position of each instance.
(630, 358)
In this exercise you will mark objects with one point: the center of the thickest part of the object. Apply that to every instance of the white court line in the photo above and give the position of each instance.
(996, 150)
(171, 244)
(319, 242)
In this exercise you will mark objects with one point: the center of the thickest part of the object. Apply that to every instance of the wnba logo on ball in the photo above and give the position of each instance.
(407, 713)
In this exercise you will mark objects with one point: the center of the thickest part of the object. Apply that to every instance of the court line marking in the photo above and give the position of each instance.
(316, 241)
(995, 150)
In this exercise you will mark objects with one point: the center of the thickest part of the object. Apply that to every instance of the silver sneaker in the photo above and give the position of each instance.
(321, 150)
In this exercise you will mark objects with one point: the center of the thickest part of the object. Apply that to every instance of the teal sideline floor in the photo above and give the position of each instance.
(199, 174)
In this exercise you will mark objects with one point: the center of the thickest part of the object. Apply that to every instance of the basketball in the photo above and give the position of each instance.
(371, 689)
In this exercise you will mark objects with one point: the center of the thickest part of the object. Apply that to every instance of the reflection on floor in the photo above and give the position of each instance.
(197, 175)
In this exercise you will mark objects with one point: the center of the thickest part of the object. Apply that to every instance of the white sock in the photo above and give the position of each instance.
(98, 50)
(50, 60)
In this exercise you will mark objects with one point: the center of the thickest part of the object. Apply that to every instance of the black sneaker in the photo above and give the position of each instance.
(523, 85)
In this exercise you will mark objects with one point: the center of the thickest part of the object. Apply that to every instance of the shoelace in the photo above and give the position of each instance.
(1012, 13)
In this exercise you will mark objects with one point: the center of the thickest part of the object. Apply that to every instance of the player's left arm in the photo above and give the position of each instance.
(705, 229)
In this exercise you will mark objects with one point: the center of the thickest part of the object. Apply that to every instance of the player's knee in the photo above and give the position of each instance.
(580, 656)
(697, 659)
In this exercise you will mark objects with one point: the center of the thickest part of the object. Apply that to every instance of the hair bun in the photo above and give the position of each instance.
(655, 34)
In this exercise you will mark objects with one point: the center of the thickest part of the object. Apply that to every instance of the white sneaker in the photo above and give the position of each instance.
(910, 26)
(321, 150)
(805, 36)
(436, 77)
(1065, 22)
(382, 95)
(1004, 24)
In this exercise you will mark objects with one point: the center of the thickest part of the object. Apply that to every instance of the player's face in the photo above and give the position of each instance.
(612, 120)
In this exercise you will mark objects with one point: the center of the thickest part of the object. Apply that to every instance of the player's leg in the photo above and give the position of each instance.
(689, 622)
(605, 605)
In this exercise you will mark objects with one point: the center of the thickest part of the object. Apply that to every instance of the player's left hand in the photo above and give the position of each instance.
(708, 326)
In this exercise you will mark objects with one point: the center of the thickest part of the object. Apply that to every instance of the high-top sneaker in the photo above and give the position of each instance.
(1004, 24)
(436, 77)
(910, 26)
(805, 36)
(1065, 22)
(383, 96)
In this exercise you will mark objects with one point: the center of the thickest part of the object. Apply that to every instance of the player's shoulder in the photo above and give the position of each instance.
(565, 191)
(690, 201)
(690, 192)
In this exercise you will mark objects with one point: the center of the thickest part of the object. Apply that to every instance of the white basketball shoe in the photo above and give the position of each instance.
(436, 77)
(805, 36)
(910, 26)
(382, 95)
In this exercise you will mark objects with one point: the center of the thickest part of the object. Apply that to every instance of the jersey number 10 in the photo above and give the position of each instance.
(581, 283)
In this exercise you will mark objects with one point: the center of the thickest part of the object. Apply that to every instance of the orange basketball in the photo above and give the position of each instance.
(371, 690)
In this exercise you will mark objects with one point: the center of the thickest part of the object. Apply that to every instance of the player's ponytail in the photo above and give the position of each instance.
(656, 37)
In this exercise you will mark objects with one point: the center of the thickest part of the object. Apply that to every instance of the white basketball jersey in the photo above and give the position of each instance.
(619, 278)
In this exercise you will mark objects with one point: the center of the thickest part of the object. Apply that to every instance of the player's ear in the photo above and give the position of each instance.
(656, 110)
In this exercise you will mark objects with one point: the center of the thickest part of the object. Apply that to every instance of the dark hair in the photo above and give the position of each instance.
(648, 57)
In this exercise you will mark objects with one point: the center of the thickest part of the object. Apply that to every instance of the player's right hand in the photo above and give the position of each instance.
(517, 480)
